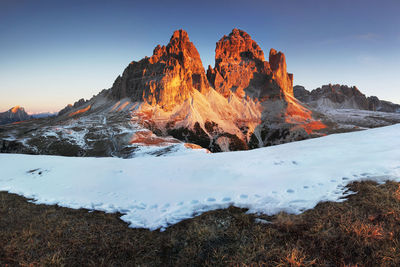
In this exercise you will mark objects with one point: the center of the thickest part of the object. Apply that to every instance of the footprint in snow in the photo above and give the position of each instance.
(257, 196)
(243, 196)
(33, 170)
(290, 191)
(226, 199)
(180, 203)
(294, 162)
(297, 201)
(195, 201)
(37, 171)
(211, 199)
(320, 184)
(306, 187)
(345, 178)
(140, 206)
(333, 181)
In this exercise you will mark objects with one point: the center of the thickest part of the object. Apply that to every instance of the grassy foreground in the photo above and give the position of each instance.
(363, 231)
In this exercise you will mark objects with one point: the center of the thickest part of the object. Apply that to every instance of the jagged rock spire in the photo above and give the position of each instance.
(166, 78)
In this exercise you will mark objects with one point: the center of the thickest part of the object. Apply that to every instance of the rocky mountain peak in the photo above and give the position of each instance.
(179, 36)
(165, 79)
(339, 96)
(240, 68)
(17, 109)
(176, 97)
(70, 107)
(284, 79)
(236, 46)
(277, 60)
(14, 114)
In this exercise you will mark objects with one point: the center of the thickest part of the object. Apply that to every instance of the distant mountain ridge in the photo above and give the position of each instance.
(42, 115)
(14, 114)
(342, 97)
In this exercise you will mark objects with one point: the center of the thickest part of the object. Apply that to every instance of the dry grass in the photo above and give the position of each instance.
(363, 231)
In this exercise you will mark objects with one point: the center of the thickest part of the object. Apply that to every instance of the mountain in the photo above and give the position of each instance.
(168, 103)
(244, 102)
(43, 115)
(70, 107)
(15, 114)
(342, 97)
(345, 108)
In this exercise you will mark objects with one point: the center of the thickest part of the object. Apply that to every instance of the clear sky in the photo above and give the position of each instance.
(54, 52)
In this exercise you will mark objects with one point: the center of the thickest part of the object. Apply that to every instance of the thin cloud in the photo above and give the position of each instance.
(360, 37)
(367, 36)
(370, 60)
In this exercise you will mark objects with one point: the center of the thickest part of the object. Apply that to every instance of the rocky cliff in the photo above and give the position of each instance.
(14, 114)
(240, 69)
(227, 109)
(165, 79)
(342, 97)
(243, 102)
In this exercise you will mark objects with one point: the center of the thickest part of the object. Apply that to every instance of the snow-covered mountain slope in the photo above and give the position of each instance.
(100, 128)
(353, 119)
(154, 192)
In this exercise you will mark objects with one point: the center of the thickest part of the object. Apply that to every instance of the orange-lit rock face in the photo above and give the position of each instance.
(147, 138)
(15, 109)
(83, 110)
(18, 122)
(167, 77)
(277, 62)
(238, 45)
(240, 67)
(194, 146)
(174, 95)
(301, 117)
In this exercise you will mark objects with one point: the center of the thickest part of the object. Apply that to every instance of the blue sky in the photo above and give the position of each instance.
(54, 52)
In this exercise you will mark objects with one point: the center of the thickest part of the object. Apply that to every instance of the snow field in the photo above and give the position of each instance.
(155, 192)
